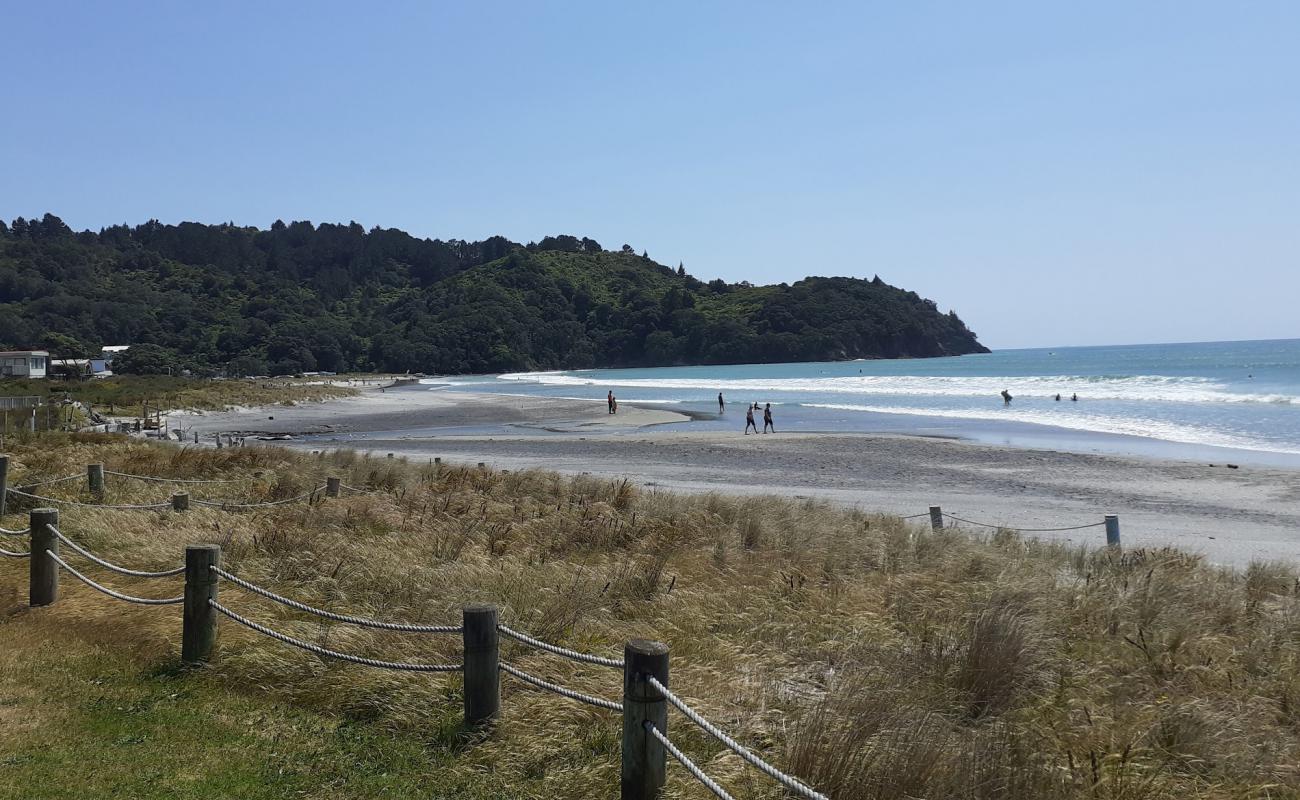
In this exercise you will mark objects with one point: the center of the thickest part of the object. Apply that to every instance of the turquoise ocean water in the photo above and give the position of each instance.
(1213, 400)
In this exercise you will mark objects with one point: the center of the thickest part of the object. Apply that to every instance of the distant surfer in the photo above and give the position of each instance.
(1074, 398)
(1058, 397)
(1006, 397)
(767, 418)
(721, 405)
(749, 420)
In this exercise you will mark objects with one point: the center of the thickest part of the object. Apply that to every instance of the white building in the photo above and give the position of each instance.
(111, 351)
(24, 363)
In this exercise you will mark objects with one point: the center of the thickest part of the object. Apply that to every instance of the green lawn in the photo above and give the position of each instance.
(85, 719)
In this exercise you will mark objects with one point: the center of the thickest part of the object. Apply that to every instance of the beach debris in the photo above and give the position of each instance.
(1232, 466)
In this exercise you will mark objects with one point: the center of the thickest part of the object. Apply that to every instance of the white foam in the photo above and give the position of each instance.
(1093, 423)
(1142, 388)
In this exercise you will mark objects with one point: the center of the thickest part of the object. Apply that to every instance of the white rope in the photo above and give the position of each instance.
(788, 781)
(114, 567)
(232, 504)
(13, 554)
(560, 690)
(321, 651)
(141, 507)
(172, 480)
(144, 601)
(359, 491)
(50, 482)
(23, 532)
(1024, 530)
(362, 621)
(916, 516)
(682, 759)
(559, 651)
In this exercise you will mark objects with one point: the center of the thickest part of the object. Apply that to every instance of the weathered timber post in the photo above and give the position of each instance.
(43, 580)
(482, 465)
(482, 666)
(1112, 530)
(95, 479)
(181, 501)
(199, 620)
(196, 437)
(217, 436)
(936, 518)
(332, 486)
(4, 482)
(644, 757)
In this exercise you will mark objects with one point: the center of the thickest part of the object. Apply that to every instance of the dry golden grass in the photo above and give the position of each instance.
(873, 658)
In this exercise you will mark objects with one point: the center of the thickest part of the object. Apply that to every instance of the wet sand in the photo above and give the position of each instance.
(1232, 516)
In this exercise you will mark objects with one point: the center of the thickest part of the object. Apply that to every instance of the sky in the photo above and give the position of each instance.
(1057, 173)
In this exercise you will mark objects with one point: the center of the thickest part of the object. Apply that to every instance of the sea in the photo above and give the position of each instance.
(1211, 401)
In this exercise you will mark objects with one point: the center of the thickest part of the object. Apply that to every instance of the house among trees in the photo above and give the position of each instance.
(24, 363)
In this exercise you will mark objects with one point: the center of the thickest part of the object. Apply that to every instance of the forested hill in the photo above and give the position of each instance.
(302, 297)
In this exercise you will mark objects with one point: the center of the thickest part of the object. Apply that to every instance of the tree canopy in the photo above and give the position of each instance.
(303, 297)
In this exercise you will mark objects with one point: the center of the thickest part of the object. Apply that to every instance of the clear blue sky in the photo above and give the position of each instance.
(1058, 173)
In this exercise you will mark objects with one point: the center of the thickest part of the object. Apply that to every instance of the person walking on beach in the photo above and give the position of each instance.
(749, 420)
(767, 418)
(721, 406)
(1006, 397)
(609, 400)
(613, 404)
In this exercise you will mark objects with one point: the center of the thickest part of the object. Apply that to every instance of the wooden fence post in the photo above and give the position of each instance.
(43, 580)
(482, 667)
(4, 482)
(936, 518)
(1112, 530)
(199, 620)
(332, 487)
(644, 765)
(181, 501)
(95, 478)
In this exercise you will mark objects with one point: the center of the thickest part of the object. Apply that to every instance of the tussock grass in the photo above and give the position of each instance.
(874, 658)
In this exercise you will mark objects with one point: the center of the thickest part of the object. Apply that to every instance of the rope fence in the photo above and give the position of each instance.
(51, 482)
(7, 532)
(267, 504)
(1018, 528)
(646, 700)
(560, 651)
(144, 601)
(785, 780)
(599, 702)
(111, 566)
(364, 622)
(686, 762)
(107, 507)
(326, 652)
(358, 491)
(157, 479)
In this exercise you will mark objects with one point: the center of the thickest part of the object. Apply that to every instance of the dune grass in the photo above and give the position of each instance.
(873, 658)
(125, 393)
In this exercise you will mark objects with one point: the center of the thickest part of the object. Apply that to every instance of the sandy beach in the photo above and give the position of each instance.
(1233, 516)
